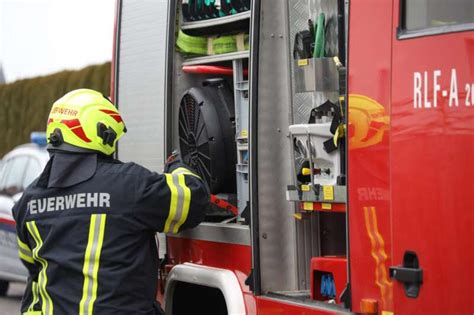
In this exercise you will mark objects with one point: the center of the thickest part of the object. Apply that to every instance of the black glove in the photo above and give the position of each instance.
(172, 161)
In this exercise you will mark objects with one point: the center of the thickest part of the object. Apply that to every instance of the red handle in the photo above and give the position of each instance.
(201, 69)
(224, 204)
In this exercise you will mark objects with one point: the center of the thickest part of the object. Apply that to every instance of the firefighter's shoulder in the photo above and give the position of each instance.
(19, 208)
(128, 168)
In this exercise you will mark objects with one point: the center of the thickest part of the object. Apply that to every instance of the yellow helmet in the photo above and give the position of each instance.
(84, 119)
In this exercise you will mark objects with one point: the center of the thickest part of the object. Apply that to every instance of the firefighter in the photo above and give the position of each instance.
(86, 227)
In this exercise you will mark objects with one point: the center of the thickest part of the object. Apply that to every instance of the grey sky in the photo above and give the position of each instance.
(38, 37)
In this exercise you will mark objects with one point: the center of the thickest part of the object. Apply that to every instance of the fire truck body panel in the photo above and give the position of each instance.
(272, 306)
(431, 153)
(230, 252)
(369, 73)
(230, 256)
(409, 192)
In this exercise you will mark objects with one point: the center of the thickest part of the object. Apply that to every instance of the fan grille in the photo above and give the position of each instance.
(194, 138)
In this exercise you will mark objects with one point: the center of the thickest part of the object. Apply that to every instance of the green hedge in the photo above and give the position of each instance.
(25, 104)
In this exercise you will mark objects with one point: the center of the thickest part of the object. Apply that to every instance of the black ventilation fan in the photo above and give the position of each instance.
(206, 134)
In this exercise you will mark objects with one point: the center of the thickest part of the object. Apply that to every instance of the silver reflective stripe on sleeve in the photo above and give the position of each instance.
(179, 202)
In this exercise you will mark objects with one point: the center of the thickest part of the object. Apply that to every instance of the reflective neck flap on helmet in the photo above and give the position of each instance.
(66, 169)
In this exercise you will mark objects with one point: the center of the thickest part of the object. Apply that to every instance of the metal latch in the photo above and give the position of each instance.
(409, 273)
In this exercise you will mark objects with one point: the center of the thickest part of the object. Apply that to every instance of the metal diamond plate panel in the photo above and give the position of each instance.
(300, 11)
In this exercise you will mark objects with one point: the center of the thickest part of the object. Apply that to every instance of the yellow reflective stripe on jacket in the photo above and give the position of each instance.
(23, 245)
(47, 303)
(32, 313)
(173, 202)
(186, 203)
(35, 299)
(182, 170)
(24, 252)
(91, 263)
(179, 203)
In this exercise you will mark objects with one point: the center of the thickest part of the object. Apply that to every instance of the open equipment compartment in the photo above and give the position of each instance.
(208, 100)
(316, 194)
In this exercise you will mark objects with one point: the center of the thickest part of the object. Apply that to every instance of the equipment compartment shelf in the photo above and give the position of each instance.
(322, 206)
(339, 193)
(216, 58)
(209, 23)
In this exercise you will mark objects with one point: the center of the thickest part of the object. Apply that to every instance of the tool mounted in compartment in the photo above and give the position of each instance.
(206, 133)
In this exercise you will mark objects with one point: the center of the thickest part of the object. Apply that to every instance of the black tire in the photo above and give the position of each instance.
(4, 287)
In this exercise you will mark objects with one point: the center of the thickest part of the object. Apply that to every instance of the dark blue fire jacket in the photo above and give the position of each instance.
(86, 232)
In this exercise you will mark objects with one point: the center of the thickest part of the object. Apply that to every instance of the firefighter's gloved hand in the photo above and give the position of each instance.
(175, 156)
(173, 161)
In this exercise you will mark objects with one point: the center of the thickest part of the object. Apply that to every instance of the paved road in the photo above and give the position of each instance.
(10, 305)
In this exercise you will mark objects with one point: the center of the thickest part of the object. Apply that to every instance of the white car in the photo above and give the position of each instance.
(18, 169)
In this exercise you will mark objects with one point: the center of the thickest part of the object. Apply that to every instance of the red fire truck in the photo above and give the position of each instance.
(337, 138)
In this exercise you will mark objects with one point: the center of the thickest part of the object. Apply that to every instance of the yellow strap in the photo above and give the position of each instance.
(210, 46)
(341, 104)
(339, 133)
(47, 303)
(336, 137)
(186, 203)
(90, 268)
(240, 41)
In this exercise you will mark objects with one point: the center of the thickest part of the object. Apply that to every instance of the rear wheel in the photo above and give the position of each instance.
(199, 300)
(3, 287)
